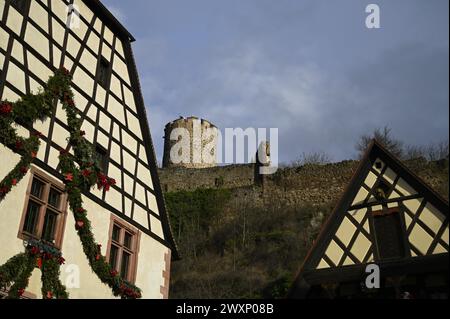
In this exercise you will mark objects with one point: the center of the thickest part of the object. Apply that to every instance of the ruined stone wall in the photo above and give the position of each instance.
(317, 184)
(230, 176)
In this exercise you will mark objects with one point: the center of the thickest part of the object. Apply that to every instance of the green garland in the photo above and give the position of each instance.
(17, 271)
(81, 172)
(23, 111)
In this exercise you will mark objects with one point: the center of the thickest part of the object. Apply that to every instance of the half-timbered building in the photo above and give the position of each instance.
(388, 237)
(130, 221)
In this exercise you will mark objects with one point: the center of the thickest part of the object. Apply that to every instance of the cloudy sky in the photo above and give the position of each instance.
(310, 68)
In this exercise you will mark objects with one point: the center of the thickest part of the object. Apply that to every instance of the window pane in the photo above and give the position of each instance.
(389, 235)
(37, 188)
(116, 233)
(113, 257)
(125, 265)
(48, 232)
(128, 240)
(54, 198)
(31, 217)
(104, 72)
(102, 158)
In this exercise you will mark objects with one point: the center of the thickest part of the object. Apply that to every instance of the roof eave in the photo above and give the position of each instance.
(97, 7)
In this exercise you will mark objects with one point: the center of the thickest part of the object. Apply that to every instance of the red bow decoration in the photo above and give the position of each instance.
(5, 108)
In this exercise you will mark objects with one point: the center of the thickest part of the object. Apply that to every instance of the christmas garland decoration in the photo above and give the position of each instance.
(19, 268)
(81, 172)
(28, 110)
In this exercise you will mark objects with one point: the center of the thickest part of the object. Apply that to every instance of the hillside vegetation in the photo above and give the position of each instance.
(234, 251)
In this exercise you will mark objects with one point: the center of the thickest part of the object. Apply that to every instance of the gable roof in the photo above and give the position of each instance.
(106, 15)
(357, 198)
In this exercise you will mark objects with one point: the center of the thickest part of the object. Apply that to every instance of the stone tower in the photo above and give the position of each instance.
(190, 143)
(262, 160)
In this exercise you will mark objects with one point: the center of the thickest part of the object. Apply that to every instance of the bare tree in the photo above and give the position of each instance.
(318, 158)
(414, 152)
(384, 137)
(437, 151)
(431, 152)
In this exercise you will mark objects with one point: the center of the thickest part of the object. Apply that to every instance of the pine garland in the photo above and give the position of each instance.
(81, 172)
(17, 271)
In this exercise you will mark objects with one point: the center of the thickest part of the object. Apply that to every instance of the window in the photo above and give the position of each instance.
(20, 5)
(102, 158)
(45, 210)
(389, 233)
(104, 72)
(382, 191)
(122, 249)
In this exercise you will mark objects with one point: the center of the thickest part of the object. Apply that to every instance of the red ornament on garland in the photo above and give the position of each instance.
(86, 173)
(19, 145)
(39, 262)
(61, 260)
(79, 224)
(5, 108)
(20, 292)
(34, 250)
(49, 295)
(70, 102)
(14, 182)
(68, 177)
(4, 189)
(24, 170)
(65, 71)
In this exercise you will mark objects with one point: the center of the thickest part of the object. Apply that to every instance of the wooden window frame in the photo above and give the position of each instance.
(405, 242)
(134, 252)
(49, 182)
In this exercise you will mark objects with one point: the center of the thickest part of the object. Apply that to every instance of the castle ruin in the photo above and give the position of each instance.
(201, 148)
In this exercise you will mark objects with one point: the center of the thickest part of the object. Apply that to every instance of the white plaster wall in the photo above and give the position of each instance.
(90, 286)
(11, 208)
(151, 264)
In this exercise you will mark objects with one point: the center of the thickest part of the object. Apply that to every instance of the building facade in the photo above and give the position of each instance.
(130, 221)
(388, 237)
